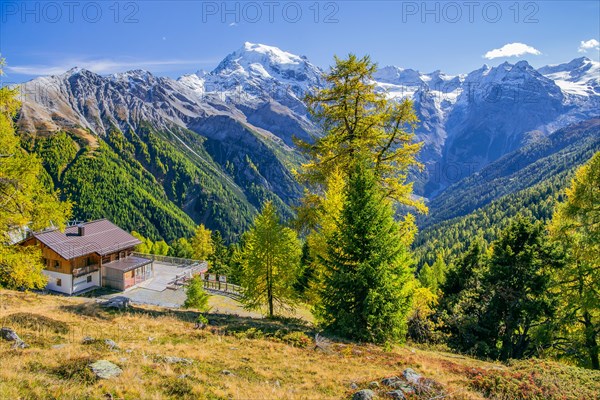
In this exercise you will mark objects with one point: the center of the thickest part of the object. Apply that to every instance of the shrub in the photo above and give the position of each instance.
(537, 380)
(297, 339)
(196, 296)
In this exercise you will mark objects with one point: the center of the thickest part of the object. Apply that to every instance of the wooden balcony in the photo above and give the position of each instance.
(77, 272)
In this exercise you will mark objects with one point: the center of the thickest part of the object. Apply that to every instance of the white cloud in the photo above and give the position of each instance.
(586, 45)
(105, 66)
(512, 50)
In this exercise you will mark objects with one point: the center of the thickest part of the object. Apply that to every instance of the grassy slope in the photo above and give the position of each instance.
(263, 367)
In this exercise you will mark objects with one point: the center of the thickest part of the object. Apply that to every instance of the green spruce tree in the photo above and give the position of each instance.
(196, 297)
(219, 259)
(518, 283)
(463, 299)
(368, 280)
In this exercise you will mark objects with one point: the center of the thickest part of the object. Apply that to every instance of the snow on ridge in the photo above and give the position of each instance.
(273, 53)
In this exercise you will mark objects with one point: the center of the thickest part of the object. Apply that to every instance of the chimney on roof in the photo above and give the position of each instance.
(81, 230)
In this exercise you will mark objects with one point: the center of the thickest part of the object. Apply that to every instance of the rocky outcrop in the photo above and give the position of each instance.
(10, 335)
(402, 387)
(118, 302)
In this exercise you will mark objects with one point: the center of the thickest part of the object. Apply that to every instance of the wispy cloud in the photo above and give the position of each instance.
(105, 66)
(586, 45)
(512, 50)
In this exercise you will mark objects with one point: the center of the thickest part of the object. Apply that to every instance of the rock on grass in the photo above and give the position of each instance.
(105, 369)
(365, 394)
(11, 336)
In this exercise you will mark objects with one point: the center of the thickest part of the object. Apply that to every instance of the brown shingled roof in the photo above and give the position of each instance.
(102, 237)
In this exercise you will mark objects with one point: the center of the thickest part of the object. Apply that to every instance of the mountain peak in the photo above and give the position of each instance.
(580, 61)
(273, 54)
(80, 71)
(580, 76)
(74, 70)
(256, 64)
(576, 63)
(522, 64)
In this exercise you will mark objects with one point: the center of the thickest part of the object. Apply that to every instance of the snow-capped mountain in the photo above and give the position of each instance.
(252, 102)
(492, 116)
(434, 96)
(580, 77)
(267, 84)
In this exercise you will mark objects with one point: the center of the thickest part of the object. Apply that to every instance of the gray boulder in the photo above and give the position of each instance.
(411, 376)
(105, 369)
(11, 336)
(118, 302)
(88, 340)
(397, 394)
(365, 394)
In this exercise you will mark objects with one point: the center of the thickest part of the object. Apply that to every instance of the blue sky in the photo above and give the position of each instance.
(178, 37)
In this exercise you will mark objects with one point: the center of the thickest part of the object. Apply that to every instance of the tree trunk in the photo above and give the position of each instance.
(590, 340)
(270, 288)
(270, 305)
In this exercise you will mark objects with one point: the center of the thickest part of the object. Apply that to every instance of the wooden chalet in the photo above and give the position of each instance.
(91, 254)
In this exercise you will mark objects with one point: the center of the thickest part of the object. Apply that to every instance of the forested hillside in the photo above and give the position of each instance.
(526, 182)
(144, 182)
(543, 158)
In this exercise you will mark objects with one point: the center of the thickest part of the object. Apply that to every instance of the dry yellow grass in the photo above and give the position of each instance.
(261, 368)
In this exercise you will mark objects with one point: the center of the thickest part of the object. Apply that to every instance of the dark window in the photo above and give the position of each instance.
(89, 278)
(56, 264)
(58, 282)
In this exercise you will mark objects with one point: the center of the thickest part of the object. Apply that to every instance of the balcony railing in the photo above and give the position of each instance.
(85, 270)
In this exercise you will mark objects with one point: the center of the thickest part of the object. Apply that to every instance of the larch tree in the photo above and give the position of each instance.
(26, 200)
(160, 248)
(270, 261)
(576, 226)
(325, 212)
(146, 246)
(202, 243)
(358, 121)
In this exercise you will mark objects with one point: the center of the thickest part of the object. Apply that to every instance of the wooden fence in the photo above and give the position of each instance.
(170, 260)
(229, 289)
(194, 267)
